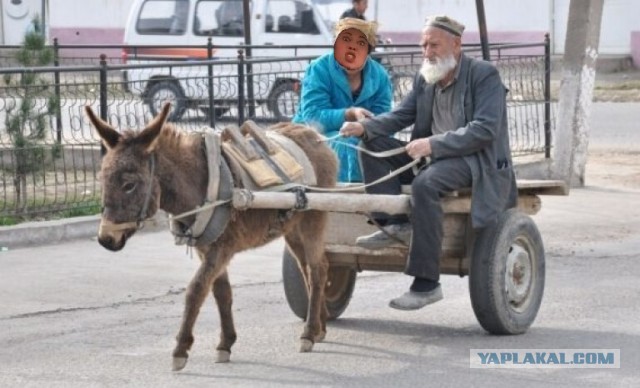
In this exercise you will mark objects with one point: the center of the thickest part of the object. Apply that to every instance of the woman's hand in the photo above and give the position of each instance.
(356, 114)
(352, 128)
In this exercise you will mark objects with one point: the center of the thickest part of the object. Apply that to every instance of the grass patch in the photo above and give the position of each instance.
(9, 221)
(81, 211)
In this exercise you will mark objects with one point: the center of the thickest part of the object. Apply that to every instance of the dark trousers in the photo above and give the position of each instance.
(427, 189)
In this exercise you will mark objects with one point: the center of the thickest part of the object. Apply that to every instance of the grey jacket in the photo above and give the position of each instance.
(482, 136)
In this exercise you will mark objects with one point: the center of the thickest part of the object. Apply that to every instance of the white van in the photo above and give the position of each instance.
(192, 22)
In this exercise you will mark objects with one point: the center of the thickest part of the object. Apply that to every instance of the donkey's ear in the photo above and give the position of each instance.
(108, 134)
(150, 133)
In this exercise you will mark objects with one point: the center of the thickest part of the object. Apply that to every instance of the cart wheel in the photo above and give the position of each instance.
(506, 278)
(340, 285)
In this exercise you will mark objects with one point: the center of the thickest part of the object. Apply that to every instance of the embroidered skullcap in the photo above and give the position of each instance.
(445, 23)
(369, 29)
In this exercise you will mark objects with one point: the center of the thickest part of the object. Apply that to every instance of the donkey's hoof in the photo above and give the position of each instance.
(320, 336)
(306, 345)
(223, 356)
(179, 363)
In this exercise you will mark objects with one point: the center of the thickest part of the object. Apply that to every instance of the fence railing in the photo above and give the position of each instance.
(204, 93)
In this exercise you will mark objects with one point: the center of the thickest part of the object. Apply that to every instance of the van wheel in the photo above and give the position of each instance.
(167, 91)
(283, 100)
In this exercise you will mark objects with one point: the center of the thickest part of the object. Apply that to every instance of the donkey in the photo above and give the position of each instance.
(163, 168)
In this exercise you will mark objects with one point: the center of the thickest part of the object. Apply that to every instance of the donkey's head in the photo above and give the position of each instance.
(130, 191)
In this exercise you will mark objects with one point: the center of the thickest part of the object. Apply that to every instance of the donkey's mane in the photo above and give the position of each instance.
(172, 137)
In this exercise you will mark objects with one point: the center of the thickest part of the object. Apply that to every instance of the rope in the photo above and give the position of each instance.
(383, 154)
(390, 175)
(199, 209)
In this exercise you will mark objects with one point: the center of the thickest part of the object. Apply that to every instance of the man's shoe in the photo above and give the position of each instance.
(413, 300)
(380, 239)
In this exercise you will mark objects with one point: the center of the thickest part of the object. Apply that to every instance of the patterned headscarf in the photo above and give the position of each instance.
(369, 29)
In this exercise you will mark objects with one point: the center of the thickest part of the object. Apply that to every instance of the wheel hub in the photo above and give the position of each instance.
(518, 275)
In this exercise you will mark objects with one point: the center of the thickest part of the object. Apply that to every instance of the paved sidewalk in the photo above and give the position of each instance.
(39, 233)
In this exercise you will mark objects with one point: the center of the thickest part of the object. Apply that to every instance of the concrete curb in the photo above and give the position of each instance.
(58, 231)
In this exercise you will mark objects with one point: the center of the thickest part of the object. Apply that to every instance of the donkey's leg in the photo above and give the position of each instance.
(297, 249)
(224, 298)
(317, 314)
(197, 292)
(307, 240)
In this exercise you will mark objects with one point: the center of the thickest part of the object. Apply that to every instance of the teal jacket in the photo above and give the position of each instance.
(326, 96)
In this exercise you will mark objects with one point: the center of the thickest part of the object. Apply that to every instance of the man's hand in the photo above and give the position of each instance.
(419, 148)
(352, 128)
(356, 114)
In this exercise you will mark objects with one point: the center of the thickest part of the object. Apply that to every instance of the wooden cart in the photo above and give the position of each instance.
(505, 264)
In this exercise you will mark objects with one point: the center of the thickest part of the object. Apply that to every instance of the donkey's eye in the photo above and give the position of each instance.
(129, 187)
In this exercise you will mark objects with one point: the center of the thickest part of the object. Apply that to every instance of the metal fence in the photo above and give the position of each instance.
(63, 166)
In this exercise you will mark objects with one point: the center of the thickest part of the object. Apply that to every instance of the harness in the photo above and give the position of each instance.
(212, 217)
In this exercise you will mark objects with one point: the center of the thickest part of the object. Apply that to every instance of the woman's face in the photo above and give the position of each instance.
(351, 49)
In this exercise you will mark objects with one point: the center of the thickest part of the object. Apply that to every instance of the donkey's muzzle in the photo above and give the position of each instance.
(114, 236)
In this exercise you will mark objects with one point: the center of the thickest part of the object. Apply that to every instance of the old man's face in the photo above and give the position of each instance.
(440, 51)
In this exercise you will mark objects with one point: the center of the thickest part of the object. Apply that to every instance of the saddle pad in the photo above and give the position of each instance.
(260, 171)
(309, 174)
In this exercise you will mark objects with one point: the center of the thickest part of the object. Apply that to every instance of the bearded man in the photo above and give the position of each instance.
(458, 111)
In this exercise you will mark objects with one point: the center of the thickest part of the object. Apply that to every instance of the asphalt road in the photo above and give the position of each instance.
(76, 315)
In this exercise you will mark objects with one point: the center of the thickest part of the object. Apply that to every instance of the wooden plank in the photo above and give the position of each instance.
(453, 261)
(336, 202)
(542, 186)
(359, 203)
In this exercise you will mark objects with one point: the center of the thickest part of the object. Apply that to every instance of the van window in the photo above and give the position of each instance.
(163, 17)
(219, 18)
(290, 16)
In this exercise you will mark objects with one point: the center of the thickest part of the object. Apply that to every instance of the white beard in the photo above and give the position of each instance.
(434, 72)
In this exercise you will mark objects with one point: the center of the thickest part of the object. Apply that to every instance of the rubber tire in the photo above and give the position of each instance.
(342, 281)
(487, 275)
(173, 94)
(276, 93)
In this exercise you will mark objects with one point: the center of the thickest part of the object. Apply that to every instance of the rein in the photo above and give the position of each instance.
(383, 154)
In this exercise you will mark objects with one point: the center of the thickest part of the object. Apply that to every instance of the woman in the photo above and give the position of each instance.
(345, 85)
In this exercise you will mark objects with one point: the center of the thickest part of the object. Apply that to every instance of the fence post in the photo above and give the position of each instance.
(241, 99)
(103, 87)
(212, 112)
(56, 90)
(251, 98)
(547, 96)
(103, 95)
